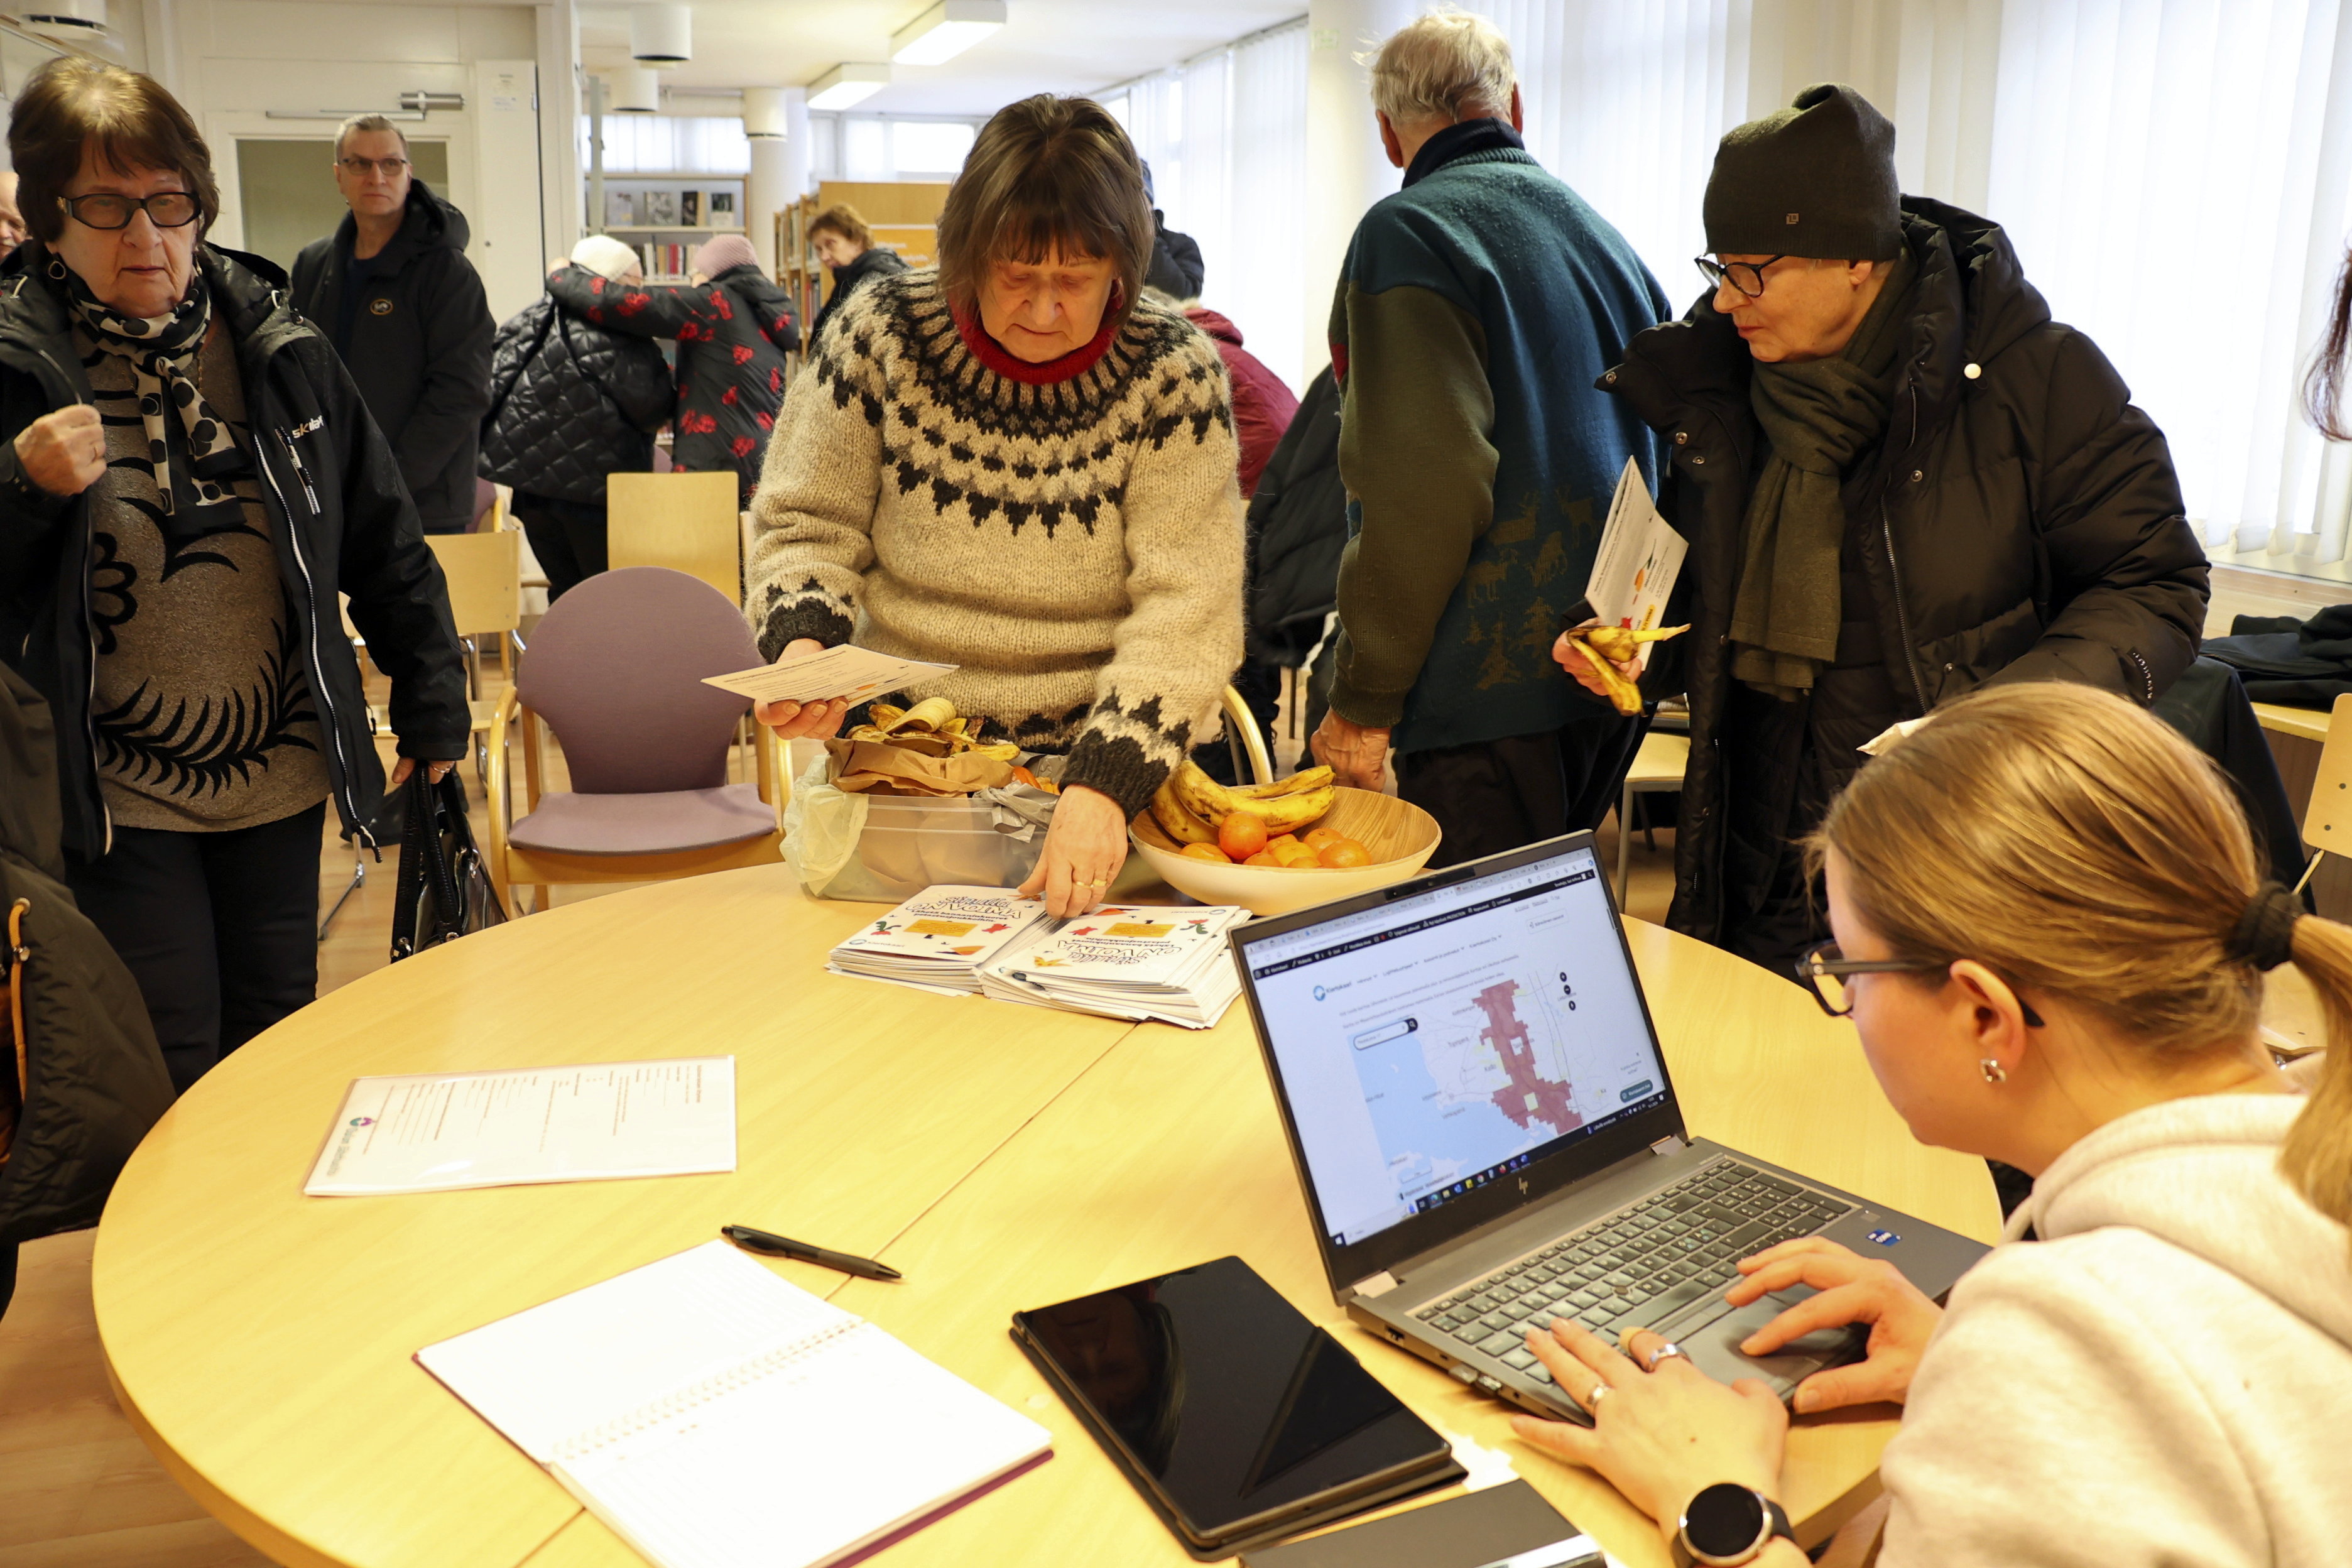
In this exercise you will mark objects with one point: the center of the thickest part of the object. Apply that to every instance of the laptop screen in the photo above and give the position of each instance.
(1432, 1045)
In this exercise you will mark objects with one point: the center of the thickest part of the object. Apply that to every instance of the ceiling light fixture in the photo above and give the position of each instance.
(636, 90)
(763, 114)
(847, 86)
(661, 35)
(945, 31)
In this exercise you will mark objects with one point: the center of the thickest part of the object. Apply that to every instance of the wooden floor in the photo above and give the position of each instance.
(77, 1490)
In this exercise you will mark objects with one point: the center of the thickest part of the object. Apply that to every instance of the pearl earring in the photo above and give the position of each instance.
(1993, 1071)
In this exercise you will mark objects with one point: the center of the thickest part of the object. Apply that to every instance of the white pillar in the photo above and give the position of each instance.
(1346, 170)
(765, 195)
(797, 183)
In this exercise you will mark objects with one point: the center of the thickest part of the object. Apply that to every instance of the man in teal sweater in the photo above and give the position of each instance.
(1478, 307)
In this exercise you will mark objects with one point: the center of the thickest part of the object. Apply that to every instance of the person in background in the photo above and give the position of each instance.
(11, 220)
(1899, 480)
(734, 328)
(397, 298)
(1176, 269)
(572, 401)
(1016, 465)
(1298, 529)
(846, 245)
(188, 478)
(1476, 309)
(2051, 933)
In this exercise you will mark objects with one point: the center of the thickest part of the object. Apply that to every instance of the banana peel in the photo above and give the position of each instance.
(931, 728)
(1605, 646)
(1191, 804)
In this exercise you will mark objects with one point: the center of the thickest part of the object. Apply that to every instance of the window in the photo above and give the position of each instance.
(930, 146)
(671, 143)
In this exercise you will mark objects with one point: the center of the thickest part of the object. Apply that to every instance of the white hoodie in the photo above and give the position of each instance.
(2165, 1378)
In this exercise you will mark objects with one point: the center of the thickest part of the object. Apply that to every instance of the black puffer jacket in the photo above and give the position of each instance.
(93, 1082)
(2024, 519)
(338, 516)
(872, 263)
(420, 346)
(732, 335)
(570, 403)
(1298, 529)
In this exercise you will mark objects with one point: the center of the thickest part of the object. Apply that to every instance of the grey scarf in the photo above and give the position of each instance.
(1819, 416)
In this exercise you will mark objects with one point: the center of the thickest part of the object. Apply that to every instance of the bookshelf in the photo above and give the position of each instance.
(663, 215)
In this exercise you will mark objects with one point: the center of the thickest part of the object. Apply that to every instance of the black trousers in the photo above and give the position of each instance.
(220, 929)
(568, 536)
(1493, 796)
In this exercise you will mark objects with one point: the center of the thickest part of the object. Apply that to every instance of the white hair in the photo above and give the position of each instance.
(607, 258)
(1445, 66)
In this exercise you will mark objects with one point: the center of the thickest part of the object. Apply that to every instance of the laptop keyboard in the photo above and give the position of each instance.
(1642, 1264)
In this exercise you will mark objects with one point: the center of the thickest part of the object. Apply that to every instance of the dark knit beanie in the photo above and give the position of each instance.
(1816, 179)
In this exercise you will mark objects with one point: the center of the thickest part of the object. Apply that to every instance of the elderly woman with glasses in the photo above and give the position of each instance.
(187, 480)
(1900, 480)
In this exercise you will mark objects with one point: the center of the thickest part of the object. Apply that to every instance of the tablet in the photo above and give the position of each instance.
(1238, 1420)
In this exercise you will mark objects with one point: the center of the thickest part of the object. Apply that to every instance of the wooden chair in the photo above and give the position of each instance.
(688, 523)
(2328, 817)
(1657, 767)
(616, 669)
(484, 571)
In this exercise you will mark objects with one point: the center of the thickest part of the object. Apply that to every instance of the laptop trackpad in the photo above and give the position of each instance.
(1715, 1349)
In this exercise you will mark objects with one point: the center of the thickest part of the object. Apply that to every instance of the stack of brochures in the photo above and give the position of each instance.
(939, 938)
(1127, 960)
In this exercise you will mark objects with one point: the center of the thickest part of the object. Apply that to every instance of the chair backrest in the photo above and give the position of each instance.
(616, 668)
(688, 523)
(484, 571)
(2327, 819)
(486, 505)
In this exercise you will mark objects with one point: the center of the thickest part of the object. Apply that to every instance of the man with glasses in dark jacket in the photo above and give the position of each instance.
(393, 290)
(1899, 480)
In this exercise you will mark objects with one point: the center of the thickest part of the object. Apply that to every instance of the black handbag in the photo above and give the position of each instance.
(444, 889)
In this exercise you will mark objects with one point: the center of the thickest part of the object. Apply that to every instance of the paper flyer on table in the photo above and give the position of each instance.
(442, 1132)
(1639, 558)
(856, 673)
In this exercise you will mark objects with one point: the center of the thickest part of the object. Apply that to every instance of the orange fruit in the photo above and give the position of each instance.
(1262, 859)
(1205, 852)
(1241, 834)
(1293, 853)
(1345, 852)
(1320, 838)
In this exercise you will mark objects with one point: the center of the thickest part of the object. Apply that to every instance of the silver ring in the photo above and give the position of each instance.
(1666, 1352)
(1592, 1400)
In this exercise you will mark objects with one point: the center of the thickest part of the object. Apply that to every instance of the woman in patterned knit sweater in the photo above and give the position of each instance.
(1014, 466)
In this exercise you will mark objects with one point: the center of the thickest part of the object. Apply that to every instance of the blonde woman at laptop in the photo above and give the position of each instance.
(2051, 929)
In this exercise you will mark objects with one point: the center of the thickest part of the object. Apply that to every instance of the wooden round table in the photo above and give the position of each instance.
(1002, 1157)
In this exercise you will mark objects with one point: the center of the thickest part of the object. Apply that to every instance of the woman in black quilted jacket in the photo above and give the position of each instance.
(734, 328)
(572, 401)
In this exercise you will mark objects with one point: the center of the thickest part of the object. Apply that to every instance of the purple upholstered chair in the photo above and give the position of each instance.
(616, 669)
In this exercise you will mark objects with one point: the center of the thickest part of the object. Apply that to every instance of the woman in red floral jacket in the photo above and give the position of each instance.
(733, 329)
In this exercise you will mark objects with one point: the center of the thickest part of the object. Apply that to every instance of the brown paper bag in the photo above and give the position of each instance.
(864, 766)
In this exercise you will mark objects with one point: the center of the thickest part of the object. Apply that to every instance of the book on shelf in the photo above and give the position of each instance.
(689, 208)
(723, 208)
(660, 207)
(1127, 960)
(712, 1413)
(939, 938)
(620, 208)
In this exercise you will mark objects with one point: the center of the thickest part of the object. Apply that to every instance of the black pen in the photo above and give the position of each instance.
(775, 1246)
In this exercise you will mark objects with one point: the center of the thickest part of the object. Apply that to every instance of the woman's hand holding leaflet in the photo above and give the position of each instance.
(817, 721)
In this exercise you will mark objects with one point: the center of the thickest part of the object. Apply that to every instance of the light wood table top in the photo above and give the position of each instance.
(261, 1339)
(271, 1367)
(2305, 723)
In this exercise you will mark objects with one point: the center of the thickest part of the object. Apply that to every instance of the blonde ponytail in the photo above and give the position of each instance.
(2318, 1154)
(2084, 849)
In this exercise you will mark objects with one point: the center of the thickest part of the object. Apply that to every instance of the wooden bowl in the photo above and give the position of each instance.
(1401, 836)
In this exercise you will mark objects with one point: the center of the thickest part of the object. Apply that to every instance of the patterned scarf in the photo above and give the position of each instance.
(191, 456)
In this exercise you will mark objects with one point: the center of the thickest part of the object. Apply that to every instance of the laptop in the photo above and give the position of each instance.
(1488, 1138)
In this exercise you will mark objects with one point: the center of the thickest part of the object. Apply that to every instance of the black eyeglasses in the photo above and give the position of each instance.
(360, 168)
(1747, 277)
(165, 209)
(1823, 971)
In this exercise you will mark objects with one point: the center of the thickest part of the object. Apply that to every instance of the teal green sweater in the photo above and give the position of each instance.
(1477, 308)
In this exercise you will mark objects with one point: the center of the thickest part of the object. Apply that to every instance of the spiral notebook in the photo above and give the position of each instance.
(714, 1414)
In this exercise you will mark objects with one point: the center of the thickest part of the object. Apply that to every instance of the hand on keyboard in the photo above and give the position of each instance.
(1853, 1289)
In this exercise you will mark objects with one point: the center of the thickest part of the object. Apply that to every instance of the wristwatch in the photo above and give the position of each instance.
(1727, 1524)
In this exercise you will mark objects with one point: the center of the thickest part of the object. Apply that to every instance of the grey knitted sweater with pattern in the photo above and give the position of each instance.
(1073, 545)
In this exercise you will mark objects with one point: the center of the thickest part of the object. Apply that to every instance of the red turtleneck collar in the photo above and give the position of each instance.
(1074, 364)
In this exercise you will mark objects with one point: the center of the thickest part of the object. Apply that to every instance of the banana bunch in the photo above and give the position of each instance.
(1191, 804)
(1604, 645)
(932, 728)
